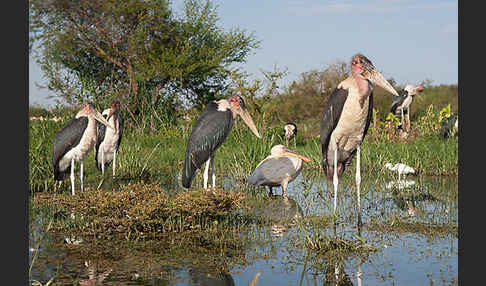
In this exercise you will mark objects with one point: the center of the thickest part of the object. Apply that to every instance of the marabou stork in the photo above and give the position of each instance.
(401, 104)
(209, 132)
(109, 140)
(290, 132)
(346, 118)
(280, 168)
(73, 141)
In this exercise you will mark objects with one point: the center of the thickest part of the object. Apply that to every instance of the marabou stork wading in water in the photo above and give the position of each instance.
(346, 118)
(280, 168)
(209, 132)
(73, 141)
(109, 140)
(401, 104)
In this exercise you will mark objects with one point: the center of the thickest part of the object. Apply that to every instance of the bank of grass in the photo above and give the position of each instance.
(141, 211)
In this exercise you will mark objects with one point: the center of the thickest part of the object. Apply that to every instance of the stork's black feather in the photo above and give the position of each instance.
(332, 112)
(120, 129)
(68, 137)
(208, 134)
(398, 100)
(100, 136)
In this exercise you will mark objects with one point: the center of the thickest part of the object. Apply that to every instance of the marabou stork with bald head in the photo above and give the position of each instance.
(73, 141)
(209, 132)
(280, 168)
(290, 132)
(346, 118)
(109, 139)
(401, 104)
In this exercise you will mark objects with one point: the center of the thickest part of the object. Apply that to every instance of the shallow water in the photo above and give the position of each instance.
(404, 256)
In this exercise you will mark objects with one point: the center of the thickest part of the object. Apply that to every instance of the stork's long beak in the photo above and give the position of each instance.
(243, 112)
(101, 119)
(288, 152)
(377, 78)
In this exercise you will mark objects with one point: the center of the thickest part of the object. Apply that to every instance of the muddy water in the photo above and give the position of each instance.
(413, 228)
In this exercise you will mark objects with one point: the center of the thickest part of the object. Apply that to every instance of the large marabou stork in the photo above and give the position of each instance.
(209, 132)
(346, 118)
(401, 104)
(73, 141)
(280, 168)
(109, 140)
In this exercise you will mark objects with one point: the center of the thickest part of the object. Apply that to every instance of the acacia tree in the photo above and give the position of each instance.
(138, 50)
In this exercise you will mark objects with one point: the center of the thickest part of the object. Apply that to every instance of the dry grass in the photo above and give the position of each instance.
(141, 211)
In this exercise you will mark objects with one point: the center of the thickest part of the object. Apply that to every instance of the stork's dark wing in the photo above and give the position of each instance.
(398, 100)
(66, 138)
(332, 112)
(120, 129)
(100, 136)
(208, 134)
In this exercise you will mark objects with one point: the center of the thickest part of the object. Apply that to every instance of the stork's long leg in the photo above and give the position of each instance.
(335, 180)
(358, 181)
(206, 173)
(284, 188)
(213, 176)
(81, 175)
(72, 176)
(102, 162)
(114, 163)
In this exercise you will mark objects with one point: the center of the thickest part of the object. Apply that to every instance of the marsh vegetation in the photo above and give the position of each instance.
(143, 227)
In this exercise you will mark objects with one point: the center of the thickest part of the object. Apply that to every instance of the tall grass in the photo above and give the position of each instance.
(160, 156)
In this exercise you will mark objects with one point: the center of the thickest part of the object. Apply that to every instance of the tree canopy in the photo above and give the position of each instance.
(140, 50)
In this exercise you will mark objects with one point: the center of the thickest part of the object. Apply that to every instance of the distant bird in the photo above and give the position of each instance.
(280, 168)
(400, 168)
(290, 132)
(401, 104)
(73, 141)
(450, 126)
(109, 140)
(346, 119)
(400, 184)
(209, 133)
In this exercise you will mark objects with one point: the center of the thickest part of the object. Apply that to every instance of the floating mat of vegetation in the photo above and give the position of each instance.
(324, 244)
(397, 224)
(142, 211)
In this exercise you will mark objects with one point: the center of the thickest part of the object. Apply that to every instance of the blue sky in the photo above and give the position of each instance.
(408, 40)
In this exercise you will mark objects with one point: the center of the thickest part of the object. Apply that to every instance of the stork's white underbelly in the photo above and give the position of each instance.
(108, 146)
(79, 151)
(406, 103)
(349, 131)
